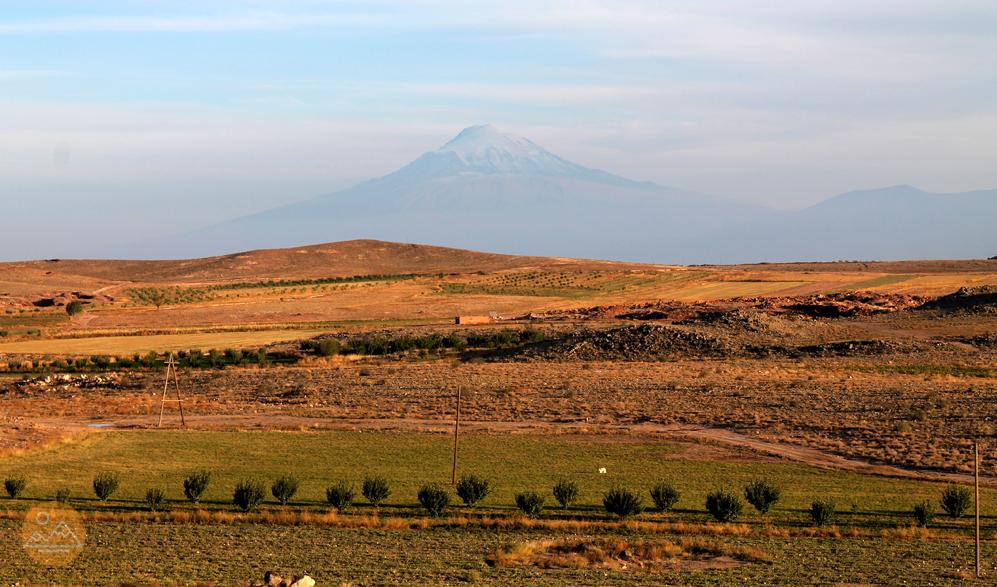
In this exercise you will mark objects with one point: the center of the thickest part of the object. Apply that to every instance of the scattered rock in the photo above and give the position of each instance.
(967, 300)
(272, 579)
(642, 342)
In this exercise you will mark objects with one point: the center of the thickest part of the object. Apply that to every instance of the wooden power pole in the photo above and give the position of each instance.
(456, 439)
(976, 501)
(171, 366)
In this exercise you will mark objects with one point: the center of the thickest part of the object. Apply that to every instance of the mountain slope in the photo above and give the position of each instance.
(487, 190)
(899, 222)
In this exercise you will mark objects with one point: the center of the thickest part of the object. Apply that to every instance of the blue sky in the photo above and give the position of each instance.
(131, 118)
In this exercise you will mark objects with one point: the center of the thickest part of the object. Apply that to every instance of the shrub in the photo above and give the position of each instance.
(664, 497)
(376, 490)
(248, 494)
(284, 488)
(762, 495)
(434, 498)
(62, 495)
(471, 489)
(15, 485)
(530, 503)
(105, 484)
(340, 495)
(328, 347)
(822, 511)
(195, 484)
(565, 492)
(723, 505)
(955, 500)
(74, 307)
(622, 502)
(924, 512)
(155, 500)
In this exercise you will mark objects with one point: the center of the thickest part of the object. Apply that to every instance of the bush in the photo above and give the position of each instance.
(434, 498)
(155, 500)
(723, 505)
(63, 495)
(530, 503)
(74, 307)
(565, 492)
(622, 502)
(762, 495)
(664, 497)
(248, 494)
(105, 484)
(955, 500)
(15, 485)
(284, 488)
(340, 495)
(328, 347)
(924, 512)
(376, 490)
(471, 489)
(822, 511)
(195, 484)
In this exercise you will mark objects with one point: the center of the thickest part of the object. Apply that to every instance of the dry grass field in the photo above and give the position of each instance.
(866, 382)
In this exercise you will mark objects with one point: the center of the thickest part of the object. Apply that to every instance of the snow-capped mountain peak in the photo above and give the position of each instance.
(487, 149)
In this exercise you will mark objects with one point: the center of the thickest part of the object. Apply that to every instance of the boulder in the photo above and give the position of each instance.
(304, 581)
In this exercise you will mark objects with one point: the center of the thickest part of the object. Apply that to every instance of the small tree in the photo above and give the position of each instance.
(155, 500)
(762, 495)
(15, 485)
(622, 502)
(375, 490)
(664, 497)
(822, 511)
(62, 495)
(105, 484)
(530, 503)
(471, 489)
(565, 492)
(195, 484)
(284, 488)
(434, 498)
(248, 494)
(924, 512)
(955, 500)
(723, 505)
(340, 495)
(74, 307)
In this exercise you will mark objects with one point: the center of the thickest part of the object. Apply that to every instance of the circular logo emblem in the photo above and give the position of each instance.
(53, 534)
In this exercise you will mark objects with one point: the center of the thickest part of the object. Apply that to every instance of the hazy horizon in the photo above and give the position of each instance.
(125, 121)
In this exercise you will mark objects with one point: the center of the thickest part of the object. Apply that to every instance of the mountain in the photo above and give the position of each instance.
(893, 223)
(486, 190)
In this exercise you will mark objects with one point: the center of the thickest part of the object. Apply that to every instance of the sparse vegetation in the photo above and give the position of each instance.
(924, 512)
(955, 500)
(63, 495)
(284, 488)
(622, 502)
(105, 484)
(565, 492)
(375, 490)
(15, 486)
(248, 494)
(74, 307)
(723, 505)
(822, 511)
(340, 495)
(471, 489)
(435, 498)
(530, 503)
(155, 500)
(195, 484)
(762, 495)
(664, 496)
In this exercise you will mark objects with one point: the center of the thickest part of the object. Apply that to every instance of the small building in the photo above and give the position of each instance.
(474, 320)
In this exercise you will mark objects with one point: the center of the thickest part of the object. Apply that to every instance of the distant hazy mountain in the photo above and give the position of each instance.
(487, 190)
(899, 222)
(491, 191)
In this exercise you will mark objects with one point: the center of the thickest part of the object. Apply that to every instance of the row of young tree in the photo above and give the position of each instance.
(724, 505)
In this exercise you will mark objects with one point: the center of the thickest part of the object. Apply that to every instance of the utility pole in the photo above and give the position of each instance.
(171, 365)
(976, 501)
(456, 438)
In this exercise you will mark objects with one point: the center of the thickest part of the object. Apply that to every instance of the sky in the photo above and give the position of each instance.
(127, 119)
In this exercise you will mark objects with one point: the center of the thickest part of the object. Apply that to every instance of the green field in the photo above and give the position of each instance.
(235, 551)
